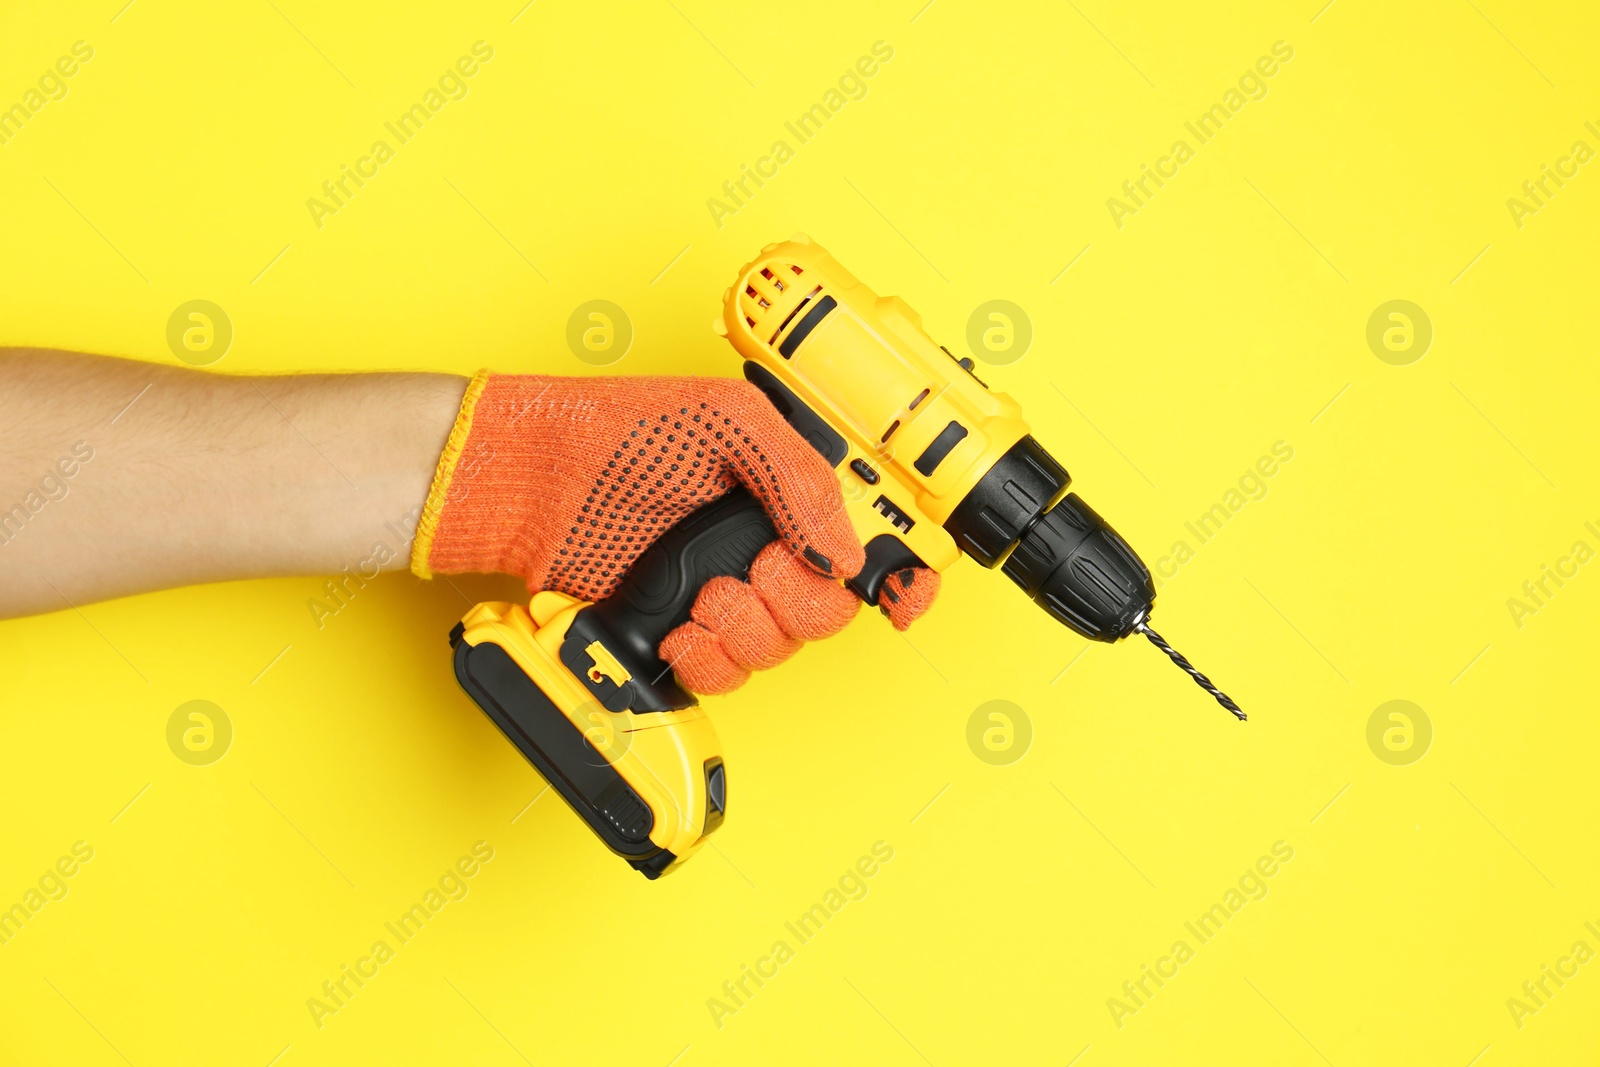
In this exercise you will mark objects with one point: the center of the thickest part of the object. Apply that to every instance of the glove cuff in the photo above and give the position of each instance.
(439, 492)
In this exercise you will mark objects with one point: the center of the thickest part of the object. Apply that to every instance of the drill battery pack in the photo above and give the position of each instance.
(579, 690)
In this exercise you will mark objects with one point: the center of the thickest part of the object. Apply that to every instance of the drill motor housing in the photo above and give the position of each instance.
(931, 461)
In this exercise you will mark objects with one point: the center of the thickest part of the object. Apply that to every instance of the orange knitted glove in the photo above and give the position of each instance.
(564, 482)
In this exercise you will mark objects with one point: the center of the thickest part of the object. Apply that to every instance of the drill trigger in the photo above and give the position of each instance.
(886, 554)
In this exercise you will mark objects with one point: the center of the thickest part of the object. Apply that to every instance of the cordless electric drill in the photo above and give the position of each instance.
(932, 464)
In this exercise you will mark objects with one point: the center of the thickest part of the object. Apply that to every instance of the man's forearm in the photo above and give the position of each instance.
(119, 477)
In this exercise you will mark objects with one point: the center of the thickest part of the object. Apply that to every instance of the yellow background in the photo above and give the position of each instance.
(1223, 317)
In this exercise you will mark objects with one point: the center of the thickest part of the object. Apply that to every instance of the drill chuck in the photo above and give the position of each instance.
(1063, 554)
(1081, 572)
(1066, 558)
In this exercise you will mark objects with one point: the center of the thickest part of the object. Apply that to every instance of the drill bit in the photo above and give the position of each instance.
(1199, 679)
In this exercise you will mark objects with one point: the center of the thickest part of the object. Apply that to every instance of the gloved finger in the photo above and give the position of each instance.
(804, 603)
(737, 615)
(906, 594)
(790, 478)
(737, 627)
(696, 656)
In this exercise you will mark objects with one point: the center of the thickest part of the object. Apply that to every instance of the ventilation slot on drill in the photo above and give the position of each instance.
(768, 295)
(790, 317)
(891, 511)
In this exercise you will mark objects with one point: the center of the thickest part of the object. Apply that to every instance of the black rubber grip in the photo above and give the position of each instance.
(939, 448)
(807, 423)
(813, 318)
(657, 594)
